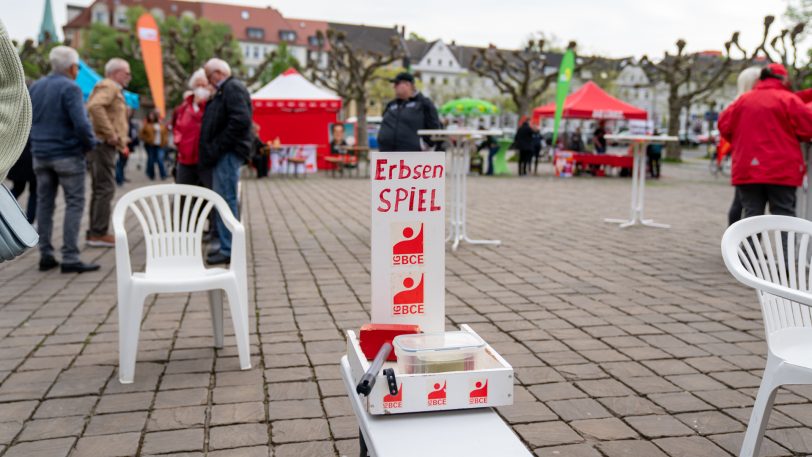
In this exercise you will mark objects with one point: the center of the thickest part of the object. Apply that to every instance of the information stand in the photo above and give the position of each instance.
(639, 143)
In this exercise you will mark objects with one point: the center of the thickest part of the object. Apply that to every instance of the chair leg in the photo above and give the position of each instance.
(238, 306)
(761, 412)
(216, 308)
(130, 309)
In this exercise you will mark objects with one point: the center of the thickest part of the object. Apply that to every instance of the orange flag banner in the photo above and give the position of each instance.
(150, 39)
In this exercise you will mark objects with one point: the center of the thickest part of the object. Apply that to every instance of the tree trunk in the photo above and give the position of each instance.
(523, 106)
(361, 110)
(673, 150)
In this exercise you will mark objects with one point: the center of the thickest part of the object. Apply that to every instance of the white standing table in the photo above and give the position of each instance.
(462, 142)
(478, 432)
(639, 143)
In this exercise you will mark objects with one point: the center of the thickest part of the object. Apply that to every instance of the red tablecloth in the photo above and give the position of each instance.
(604, 159)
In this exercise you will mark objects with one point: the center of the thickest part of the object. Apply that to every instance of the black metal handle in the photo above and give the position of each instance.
(367, 381)
(390, 379)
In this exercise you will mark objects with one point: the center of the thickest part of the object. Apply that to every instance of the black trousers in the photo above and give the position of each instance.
(734, 214)
(754, 199)
(525, 158)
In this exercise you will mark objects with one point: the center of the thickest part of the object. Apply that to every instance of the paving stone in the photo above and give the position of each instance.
(294, 409)
(173, 441)
(657, 426)
(237, 413)
(80, 381)
(710, 422)
(288, 431)
(604, 429)
(578, 408)
(300, 449)
(798, 440)
(630, 448)
(679, 402)
(732, 442)
(16, 411)
(184, 397)
(556, 391)
(572, 450)
(548, 434)
(253, 451)
(690, 446)
(177, 418)
(43, 448)
(235, 436)
(110, 424)
(120, 445)
(630, 406)
(124, 402)
(42, 429)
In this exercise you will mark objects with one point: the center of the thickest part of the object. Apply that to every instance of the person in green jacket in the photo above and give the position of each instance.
(15, 105)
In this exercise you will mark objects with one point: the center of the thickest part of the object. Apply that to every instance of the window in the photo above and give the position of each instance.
(158, 14)
(121, 16)
(439, 62)
(256, 52)
(445, 81)
(255, 33)
(431, 80)
(313, 40)
(287, 36)
(247, 51)
(245, 15)
(428, 61)
(188, 14)
(450, 63)
(100, 14)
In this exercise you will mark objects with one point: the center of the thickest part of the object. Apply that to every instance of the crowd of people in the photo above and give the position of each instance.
(70, 138)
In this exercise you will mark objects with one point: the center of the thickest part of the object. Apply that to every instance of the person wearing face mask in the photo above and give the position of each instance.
(186, 122)
(108, 114)
(765, 127)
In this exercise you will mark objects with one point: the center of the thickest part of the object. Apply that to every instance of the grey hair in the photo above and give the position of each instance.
(198, 75)
(747, 79)
(219, 65)
(115, 64)
(62, 58)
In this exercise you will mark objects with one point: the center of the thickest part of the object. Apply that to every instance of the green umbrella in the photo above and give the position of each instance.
(469, 107)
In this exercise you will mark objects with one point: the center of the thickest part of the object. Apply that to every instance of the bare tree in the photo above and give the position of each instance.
(522, 74)
(783, 48)
(347, 69)
(689, 78)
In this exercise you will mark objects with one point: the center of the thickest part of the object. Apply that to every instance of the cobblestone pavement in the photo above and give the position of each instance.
(625, 343)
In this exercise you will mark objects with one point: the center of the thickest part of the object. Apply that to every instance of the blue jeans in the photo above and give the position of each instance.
(226, 177)
(121, 164)
(69, 173)
(155, 156)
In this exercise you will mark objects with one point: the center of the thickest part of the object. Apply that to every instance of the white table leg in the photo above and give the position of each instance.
(638, 193)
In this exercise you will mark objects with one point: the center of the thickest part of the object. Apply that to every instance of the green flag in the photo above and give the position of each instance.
(562, 89)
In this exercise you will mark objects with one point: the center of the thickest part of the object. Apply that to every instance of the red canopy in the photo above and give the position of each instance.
(591, 102)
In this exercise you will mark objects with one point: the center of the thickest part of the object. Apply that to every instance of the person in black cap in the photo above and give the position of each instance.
(409, 112)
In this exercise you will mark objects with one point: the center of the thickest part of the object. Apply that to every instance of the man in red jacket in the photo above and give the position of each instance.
(765, 127)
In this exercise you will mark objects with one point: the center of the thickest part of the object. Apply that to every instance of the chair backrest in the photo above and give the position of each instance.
(172, 217)
(772, 255)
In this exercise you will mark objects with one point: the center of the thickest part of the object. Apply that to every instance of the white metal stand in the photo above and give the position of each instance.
(460, 146)
(639, 143)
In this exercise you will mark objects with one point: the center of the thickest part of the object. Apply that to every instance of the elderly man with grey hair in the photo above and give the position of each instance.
(108, 113)
(225, 142)
(60, 137)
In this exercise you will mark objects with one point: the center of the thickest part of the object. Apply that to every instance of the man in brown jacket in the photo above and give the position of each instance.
(108, 114)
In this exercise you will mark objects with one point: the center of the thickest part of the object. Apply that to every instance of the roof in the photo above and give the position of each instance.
(417, 49)
(238, 18)
(291, 85)
(366, 37)
(591, 102)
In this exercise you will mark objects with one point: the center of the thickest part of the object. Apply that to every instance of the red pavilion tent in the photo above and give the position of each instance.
(296, 111)
(592, 102)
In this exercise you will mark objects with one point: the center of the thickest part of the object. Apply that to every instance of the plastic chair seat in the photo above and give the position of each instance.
(187, 277)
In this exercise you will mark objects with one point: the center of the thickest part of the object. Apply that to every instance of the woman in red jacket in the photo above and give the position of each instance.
(186, 122)
(765, 127)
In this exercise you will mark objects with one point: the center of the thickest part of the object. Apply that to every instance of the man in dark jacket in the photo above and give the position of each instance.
(409, 112)
(225, 142)
(60, 136)
(765, 127)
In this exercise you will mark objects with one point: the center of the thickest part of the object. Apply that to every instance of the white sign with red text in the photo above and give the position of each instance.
(408, 238)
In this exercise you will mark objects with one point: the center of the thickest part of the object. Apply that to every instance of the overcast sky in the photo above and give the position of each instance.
(614, 28)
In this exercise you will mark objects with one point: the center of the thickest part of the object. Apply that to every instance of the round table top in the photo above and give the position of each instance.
(459, 132)
(642, 138)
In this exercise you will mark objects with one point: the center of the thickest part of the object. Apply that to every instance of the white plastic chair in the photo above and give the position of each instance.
(753, 252)
(172, 217)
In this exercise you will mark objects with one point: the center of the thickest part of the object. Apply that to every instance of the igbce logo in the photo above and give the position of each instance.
(394, 401)
(479, 394)
(437, 394)
(407, 293)
(407, 245)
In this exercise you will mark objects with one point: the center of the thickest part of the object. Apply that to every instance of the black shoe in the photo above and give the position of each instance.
(218, 258)
(47, 263)
(79, 267)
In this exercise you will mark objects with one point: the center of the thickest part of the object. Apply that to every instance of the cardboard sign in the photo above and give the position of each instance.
(408, 238)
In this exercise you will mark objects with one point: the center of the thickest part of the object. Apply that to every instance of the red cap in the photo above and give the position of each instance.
(777, 69)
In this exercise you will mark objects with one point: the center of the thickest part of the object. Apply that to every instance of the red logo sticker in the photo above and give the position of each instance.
(437, 396)
(480, 393)
(394, 401)
(407, 297)
(407, 247)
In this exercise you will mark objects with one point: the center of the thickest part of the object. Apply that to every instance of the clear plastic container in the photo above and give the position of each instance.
(438, 352)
